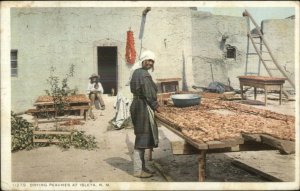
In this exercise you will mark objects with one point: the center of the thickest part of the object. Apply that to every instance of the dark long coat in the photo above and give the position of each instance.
(145, 95)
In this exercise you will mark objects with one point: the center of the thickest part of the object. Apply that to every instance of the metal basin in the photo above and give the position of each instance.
(186, 100)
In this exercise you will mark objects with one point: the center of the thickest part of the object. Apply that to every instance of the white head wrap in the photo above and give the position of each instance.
(146, 55)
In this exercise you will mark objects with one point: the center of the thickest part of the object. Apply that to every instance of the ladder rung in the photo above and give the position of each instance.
(256, 36)
(252, 53)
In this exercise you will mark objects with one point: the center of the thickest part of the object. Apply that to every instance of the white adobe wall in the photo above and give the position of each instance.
(60, 37)
(280, 35)
(207, 49)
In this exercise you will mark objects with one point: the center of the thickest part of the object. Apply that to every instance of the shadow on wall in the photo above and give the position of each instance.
(184, 84)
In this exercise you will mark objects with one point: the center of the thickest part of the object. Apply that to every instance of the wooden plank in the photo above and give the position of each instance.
(43, 103)
(215, 144)
(247, 146)
(85, 107)
(201, 146)
(202, 166)
(52, 121)
(52, 133)
(251, 137)
(235, 148)
(161, 171)
(286, 147)
(233, 141)
(225, 143)
(45, 140)
(255, 171)
(183, 148)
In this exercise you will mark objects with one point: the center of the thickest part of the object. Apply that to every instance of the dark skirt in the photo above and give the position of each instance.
(141, 122)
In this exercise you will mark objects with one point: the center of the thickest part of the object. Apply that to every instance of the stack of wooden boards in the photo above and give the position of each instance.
(45, 105)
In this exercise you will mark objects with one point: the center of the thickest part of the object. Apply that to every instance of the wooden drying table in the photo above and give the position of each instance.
(202, 147)
(246, 142)
(45, 104)
(266, 83)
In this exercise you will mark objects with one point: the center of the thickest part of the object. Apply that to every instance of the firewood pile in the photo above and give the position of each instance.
(80, 98)
(202, 124)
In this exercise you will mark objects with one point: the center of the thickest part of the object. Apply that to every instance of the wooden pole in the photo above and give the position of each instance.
(202, 165)
(247, 54)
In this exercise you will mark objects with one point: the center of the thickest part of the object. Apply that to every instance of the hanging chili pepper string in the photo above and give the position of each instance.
(130, 50)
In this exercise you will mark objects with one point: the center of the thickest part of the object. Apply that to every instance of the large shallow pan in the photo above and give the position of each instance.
(186, 100)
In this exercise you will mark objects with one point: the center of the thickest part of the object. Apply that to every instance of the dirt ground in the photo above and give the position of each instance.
(112, 161)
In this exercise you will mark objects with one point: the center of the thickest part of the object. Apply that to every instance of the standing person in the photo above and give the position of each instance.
(94, 91)
(142, 110)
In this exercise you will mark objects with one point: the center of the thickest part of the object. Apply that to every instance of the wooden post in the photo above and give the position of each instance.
(254, 93)
(85, 115)
(81, 112)
(202, 166)
(280, 95)
(265, 95)
(242, 94)
(162, 87)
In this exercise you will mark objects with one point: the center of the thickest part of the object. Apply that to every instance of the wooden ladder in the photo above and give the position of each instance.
(271, 65)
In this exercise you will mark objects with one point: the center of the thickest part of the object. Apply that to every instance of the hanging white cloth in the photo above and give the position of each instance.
(122, 107)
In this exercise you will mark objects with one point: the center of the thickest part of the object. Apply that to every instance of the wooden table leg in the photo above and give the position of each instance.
(162, 87)
(265, 96)
(81, 112)
(202, 165)
(242, 94)
(255, 93)
(280, 95)
(85, 115)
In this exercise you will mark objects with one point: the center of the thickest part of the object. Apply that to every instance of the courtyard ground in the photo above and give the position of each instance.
(112, 161)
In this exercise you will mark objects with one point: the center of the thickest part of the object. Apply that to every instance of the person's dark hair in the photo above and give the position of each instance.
(91, 79)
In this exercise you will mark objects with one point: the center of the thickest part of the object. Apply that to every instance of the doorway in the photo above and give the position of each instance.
(108, 68)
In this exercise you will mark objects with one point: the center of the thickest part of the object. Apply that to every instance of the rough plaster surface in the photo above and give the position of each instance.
(280, 36)
(209, 50)
(60, 37)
